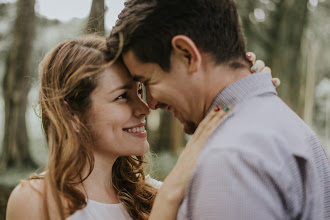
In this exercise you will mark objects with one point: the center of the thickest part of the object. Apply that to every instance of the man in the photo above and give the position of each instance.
(262, 162)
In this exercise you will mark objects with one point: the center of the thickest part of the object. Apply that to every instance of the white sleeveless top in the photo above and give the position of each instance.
(97, 210)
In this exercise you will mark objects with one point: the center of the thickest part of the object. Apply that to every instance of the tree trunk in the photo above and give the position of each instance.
(96, 18)
(278, 41)
(16, 86)
(310, 73)
(286, 52)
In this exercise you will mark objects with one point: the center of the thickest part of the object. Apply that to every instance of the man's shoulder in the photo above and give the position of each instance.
(261, 122)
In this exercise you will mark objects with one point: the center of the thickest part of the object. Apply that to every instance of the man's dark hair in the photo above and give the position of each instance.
(148, 27)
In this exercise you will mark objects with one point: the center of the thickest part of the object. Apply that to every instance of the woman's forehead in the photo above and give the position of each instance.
(115, 77)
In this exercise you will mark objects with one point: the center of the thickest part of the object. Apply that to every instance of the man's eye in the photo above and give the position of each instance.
(122, 96)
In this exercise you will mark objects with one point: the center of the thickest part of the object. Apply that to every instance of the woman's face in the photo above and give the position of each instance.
(117, 115)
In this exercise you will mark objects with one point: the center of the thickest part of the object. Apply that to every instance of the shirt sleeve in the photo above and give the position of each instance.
(231, 185)
(155, 183)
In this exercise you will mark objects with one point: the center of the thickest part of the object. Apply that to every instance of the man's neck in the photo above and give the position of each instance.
(218, 78)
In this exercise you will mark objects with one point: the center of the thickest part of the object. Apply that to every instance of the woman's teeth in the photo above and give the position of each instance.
(135, 130)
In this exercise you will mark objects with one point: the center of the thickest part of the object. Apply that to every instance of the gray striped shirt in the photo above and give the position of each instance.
(262, 162)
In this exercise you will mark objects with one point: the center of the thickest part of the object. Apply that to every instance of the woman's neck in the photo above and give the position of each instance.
(98, 185)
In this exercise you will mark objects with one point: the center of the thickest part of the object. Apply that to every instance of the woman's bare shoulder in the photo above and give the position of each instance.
(26, 201)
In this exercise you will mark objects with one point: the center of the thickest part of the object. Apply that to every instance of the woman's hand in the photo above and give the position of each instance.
(259, 66)
(171, 194)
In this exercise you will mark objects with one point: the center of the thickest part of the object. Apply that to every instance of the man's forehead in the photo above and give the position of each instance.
(133, 66)
(130, 58)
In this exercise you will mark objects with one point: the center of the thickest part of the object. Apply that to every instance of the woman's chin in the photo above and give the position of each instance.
(143, 150)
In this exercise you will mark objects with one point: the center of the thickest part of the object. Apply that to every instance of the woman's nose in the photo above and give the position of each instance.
(141, 108)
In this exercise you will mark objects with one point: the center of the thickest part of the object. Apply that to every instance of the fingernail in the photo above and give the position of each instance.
(277, 82)
(217, 108)
(248, 54)
(225, 109)
(255, 69)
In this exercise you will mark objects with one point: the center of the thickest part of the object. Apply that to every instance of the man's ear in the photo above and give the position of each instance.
(185, 47)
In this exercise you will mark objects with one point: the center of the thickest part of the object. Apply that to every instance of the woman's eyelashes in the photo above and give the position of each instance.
(122, 96)
(130, 93)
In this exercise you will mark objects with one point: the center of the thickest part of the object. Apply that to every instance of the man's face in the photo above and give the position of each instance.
(170, 91)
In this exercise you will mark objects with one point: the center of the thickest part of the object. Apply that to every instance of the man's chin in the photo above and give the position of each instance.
(188, 126)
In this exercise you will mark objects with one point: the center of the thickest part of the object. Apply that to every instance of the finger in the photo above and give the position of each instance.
(202, 133)
(251, 57)
(259, 64)
(207, 118)
(266, 69)
(199, 141)
(276, 82)
(213, 124)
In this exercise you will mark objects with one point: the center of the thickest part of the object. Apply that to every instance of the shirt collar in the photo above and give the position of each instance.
(251, 85)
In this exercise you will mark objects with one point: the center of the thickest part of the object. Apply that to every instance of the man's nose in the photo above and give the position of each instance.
(152, 103)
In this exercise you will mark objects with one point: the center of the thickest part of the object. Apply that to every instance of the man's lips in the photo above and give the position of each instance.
(167, 108)
(162, 106)
(175, 113)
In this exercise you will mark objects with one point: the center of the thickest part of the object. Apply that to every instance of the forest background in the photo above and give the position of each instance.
(291, 36)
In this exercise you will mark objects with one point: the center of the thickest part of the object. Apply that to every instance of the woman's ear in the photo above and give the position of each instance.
(186, 49)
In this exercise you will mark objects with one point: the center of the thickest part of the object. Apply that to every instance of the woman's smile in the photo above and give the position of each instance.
(137, 131)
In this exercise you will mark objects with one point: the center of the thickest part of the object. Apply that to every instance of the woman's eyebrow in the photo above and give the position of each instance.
(125, 86)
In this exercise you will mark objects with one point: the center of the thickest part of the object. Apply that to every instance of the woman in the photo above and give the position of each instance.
(93, 117)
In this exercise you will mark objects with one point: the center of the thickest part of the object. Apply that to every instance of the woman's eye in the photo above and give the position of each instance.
(122, 96)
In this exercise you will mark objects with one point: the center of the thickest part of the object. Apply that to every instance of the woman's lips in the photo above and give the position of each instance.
(137, 131)
(140, 134)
